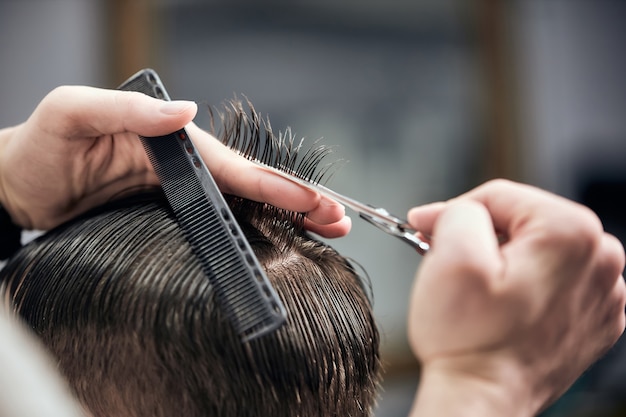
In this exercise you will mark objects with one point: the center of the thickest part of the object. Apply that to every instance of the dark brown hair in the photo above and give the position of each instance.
(121, 301)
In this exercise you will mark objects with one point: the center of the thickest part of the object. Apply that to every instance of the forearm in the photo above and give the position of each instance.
(444, 395)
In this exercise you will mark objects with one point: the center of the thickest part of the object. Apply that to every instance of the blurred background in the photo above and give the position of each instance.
(424, 98)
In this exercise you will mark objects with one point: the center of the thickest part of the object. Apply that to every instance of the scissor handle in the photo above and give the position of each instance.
(396, 227)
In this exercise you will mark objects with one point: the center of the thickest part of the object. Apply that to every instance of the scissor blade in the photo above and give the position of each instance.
(379, 217)
(351, 203)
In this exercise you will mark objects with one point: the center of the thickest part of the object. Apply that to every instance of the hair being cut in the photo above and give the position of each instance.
(120, 300)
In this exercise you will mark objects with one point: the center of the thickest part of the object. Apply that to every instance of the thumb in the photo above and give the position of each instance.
(96, 112)
(464, 236)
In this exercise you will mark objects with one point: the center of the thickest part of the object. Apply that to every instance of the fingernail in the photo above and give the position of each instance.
(328, 202)
(176, 107)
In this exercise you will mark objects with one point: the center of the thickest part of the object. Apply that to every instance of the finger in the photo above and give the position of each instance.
(618, 296)
(610, 325)
(97, 112)
(423, 218)
(331, 231)
(505, 201)
(514, 206)
(517, 207)
(327, 212)
(610, 262)
(236, 175)
(464, 232)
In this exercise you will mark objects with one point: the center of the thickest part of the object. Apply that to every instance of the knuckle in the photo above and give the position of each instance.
(56, 95)
(615, 252)
(62, 90)
(587, 229)
(499, 184)
(578, 232)
(610, 263)
(126, 100)
(476, 272)
(618, 315)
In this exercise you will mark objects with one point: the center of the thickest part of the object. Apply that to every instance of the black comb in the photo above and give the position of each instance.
(242, 288)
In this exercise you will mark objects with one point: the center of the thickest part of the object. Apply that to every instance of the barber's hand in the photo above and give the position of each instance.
(80, 148)
(506, 327)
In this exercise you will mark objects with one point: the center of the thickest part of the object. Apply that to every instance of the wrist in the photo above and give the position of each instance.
(445, 392)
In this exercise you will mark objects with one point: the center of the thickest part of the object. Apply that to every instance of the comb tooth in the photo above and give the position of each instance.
(242, 288)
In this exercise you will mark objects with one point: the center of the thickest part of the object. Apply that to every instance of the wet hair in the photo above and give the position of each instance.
(121, 302)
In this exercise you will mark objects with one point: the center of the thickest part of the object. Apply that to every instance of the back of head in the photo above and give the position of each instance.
(121, 301)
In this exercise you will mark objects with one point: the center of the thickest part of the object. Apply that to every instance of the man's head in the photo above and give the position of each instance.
(122, 303)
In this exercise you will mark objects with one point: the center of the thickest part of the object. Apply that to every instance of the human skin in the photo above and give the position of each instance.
(79, 149)
(500, 327)
(521, 291)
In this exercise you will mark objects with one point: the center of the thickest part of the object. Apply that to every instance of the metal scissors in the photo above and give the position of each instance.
(377, 216)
